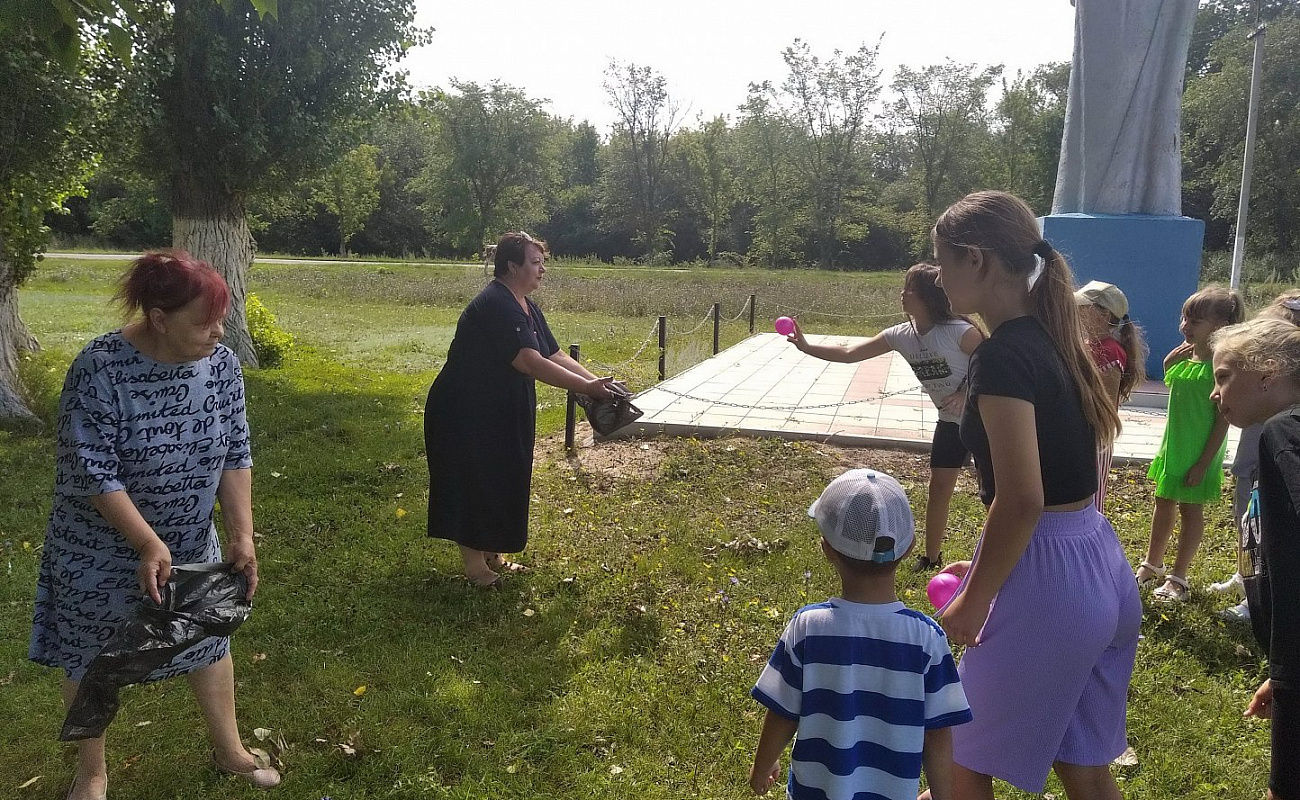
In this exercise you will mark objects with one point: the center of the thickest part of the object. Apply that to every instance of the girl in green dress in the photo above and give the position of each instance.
(1188, 469)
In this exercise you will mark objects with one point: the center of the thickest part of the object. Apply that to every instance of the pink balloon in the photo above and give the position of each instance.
(784, 326)
(941, 588)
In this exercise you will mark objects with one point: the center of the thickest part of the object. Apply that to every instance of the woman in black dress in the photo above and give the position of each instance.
(480, 418)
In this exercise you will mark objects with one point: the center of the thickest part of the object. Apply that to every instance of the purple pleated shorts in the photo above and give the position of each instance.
(1049, 680)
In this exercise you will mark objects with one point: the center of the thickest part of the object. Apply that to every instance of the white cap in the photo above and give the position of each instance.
(865, 514)
(1106, 295)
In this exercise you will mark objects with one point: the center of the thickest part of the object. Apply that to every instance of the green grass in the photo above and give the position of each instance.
(664, 570)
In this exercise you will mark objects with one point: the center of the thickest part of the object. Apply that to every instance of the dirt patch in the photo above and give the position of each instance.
(641, 458)
(623, 458)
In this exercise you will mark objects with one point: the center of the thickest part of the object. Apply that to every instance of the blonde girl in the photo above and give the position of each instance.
(1047, 666)
(1257, 382)
(1286, 307)
(1188, 468)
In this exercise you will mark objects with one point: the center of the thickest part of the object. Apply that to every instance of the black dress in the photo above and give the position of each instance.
(480, 423)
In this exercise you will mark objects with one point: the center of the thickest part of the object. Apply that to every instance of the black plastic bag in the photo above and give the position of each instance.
(607, 416)
(199, 600)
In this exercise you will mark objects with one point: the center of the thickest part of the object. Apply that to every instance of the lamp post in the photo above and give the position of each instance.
(1243, 203)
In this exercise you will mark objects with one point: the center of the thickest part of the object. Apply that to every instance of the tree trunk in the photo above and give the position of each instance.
(14, 338)
(212, 225)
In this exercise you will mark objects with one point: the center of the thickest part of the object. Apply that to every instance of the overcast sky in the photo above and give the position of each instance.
(710, 50)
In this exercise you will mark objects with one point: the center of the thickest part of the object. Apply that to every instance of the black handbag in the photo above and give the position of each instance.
(608, 416)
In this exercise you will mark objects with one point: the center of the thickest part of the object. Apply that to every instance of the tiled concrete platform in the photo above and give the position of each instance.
(765, 387)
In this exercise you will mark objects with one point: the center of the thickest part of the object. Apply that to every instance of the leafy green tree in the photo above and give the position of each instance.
(493, 162)
(633, 186)
(939, 110)
(59, 30)
(46, 137)
(405, 138)
(1214, 124)
(1028, 122)
(350, 191)
(574, 226)
(227, 103)
(829, 102)
(1214, 18)
(765, 140)
(711, 174)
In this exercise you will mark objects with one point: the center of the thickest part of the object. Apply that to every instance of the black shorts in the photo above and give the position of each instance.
(1283, 777)
(946, 450)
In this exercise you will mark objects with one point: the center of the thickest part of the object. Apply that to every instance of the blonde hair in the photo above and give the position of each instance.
(1282, 308)
(1002, 224)
(1264, 344)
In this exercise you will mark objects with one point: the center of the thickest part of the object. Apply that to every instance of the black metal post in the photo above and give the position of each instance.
(717, 316)
(753, 301)
(571, 407)
(663, 344)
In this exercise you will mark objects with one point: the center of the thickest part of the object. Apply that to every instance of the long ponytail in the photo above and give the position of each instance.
(1001, 223)
(1052, 304)
(1135, 347)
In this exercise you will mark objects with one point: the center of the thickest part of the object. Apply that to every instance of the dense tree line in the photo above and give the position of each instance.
(833, 165)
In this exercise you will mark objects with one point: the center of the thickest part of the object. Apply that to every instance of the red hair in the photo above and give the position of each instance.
(170, 279)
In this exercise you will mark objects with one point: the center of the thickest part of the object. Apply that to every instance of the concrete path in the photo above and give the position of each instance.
(763, 386)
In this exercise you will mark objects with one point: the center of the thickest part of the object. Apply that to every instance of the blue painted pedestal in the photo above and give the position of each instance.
(1155, 261)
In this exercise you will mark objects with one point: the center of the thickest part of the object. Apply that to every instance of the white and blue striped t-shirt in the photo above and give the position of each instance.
(864, 682)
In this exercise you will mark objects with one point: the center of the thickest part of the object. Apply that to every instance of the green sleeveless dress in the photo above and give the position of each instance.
(1190, 420)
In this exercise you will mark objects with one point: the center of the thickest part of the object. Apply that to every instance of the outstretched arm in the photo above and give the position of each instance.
(568, 362)
(534, 364)
(844, 354)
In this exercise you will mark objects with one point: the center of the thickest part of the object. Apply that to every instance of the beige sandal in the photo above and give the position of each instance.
(1153, 573)
(1174, 590)
(257, 777)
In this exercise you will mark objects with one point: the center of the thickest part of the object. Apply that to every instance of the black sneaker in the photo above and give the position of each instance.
(923, 564)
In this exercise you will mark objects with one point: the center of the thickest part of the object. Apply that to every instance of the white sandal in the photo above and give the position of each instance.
(1167, 594)
(1156, 573)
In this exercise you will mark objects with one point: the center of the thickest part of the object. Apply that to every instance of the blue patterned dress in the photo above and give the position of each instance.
(163, 433)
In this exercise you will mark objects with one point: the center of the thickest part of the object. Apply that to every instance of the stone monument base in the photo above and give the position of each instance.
(1154, 260)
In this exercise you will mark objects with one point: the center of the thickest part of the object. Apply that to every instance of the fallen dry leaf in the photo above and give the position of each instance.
(29, 782)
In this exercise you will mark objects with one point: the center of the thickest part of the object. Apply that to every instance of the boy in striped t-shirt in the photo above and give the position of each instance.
(865, 686)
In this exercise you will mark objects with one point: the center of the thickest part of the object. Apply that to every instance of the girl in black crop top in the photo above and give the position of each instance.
(1035, 416)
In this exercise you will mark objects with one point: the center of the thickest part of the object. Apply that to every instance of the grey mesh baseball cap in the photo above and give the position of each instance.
(864, 514)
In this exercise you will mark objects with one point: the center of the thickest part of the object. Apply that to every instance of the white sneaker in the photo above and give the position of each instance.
(1232, 585)
(1238, 613)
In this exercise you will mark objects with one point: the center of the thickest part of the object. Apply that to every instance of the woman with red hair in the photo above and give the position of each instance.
(152, 435)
